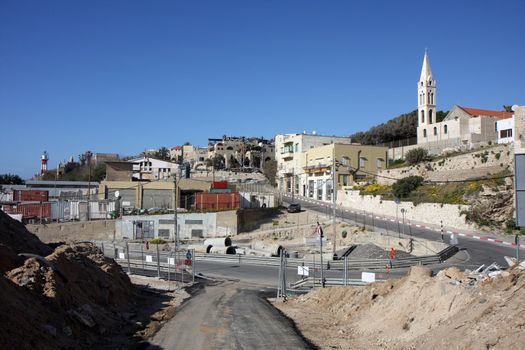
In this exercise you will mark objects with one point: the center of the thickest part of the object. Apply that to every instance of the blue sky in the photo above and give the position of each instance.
(123, 76)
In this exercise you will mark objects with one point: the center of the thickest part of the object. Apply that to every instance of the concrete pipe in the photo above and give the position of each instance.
(198, 248)
(219, 242)
(222, 250)
(274, 249)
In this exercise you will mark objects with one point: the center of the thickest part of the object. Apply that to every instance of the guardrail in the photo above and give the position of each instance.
(166, 262)
(310, 282)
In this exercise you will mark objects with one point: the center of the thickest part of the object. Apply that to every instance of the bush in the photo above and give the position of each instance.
(344, 234)
(416, 155)
(157, 241)
(403, 187)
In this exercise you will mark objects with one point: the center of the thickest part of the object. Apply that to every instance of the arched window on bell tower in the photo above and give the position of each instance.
(422, 116)
(430, 116)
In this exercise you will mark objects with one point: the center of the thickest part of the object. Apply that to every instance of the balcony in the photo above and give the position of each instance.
(314, 168)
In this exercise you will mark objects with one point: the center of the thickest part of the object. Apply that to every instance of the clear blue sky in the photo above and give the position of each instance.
(122, 76)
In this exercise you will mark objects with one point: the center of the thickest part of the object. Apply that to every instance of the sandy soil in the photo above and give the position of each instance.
(416, 312)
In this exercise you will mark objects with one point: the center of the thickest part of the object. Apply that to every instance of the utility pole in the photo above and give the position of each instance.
(293, 185)
(334, 191)
(175, 228)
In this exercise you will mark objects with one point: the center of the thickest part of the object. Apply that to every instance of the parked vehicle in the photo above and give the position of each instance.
(294, 208)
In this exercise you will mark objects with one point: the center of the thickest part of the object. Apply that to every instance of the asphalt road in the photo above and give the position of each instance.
(228, 315)
(476, 252)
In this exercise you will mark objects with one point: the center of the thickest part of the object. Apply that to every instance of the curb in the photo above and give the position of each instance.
(468, 235)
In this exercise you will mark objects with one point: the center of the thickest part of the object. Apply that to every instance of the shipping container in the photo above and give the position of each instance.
(209, 200)
(30, 210)
(219, 185)
(30, 196)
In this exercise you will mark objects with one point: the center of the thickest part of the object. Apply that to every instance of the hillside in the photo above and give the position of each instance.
(400, 128)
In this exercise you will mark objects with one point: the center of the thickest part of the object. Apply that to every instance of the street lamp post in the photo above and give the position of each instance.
(334, 208)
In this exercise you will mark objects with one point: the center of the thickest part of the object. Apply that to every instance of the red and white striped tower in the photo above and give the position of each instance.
(43, 166)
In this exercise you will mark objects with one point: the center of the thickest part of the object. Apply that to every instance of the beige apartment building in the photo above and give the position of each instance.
(289, 149)
(354, 162)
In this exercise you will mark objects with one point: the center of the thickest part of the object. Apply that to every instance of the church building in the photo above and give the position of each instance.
(461, 127)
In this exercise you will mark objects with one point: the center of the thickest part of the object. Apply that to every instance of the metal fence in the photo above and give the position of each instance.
(173, 264)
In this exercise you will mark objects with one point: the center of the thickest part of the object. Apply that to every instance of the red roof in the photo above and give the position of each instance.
(474, 112)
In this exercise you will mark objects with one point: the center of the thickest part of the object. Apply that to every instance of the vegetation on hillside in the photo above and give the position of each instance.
(74, 171)
(400, 128)
(11, 179)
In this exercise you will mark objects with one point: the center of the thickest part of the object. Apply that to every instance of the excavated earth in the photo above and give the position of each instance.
(447, 311)
(70, 297)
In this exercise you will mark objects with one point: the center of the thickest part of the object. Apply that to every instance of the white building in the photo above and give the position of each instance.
(461, 127)
(290, 157)
(147, 168)
(505, 130)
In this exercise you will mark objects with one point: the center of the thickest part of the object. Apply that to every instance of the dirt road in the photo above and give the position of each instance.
(228, 315)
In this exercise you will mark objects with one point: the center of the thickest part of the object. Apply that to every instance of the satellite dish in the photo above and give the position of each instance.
(117, 194)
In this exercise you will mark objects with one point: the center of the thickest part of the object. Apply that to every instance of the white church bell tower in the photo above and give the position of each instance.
(426, 94)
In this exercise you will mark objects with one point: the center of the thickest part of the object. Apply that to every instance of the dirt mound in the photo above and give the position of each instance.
(72, 297)
(16, 239)
(14, 235)
(415, 312)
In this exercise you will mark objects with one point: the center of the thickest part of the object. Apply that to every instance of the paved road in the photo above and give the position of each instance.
(477, 252)
(228, 315)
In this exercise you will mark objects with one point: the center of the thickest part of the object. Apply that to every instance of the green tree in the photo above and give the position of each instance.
(416, 155)
(403, 187)
(270, 171)
(507, 108)
(401, 127)
(163, 154)
(217, 162)
(11, 179)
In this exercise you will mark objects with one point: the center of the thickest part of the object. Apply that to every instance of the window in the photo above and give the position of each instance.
(164, 232)
(505, 133)
(296, 148)
(344, 179)
(430, 116)
(193, 222)
(435, 131)
(320, 190)
(445, 129)
(422, 116)
(296, 184)
(345, 160)
(311, 188)
(362, 161)
(432, 98)
(424, 132)
(379, 163)
(197, 233)
(329, 190)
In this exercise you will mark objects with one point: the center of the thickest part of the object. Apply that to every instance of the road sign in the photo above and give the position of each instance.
(303, 270)
(171, 261)
(368, 277)
(149, 258)
(121, 255)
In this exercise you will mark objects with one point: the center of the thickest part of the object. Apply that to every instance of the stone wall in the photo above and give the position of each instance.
(74, 231)
(484, 162)
(429, 213)
(252, 219)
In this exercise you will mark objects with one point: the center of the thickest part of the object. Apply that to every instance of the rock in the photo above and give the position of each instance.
(50, 329)
(86, 320)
